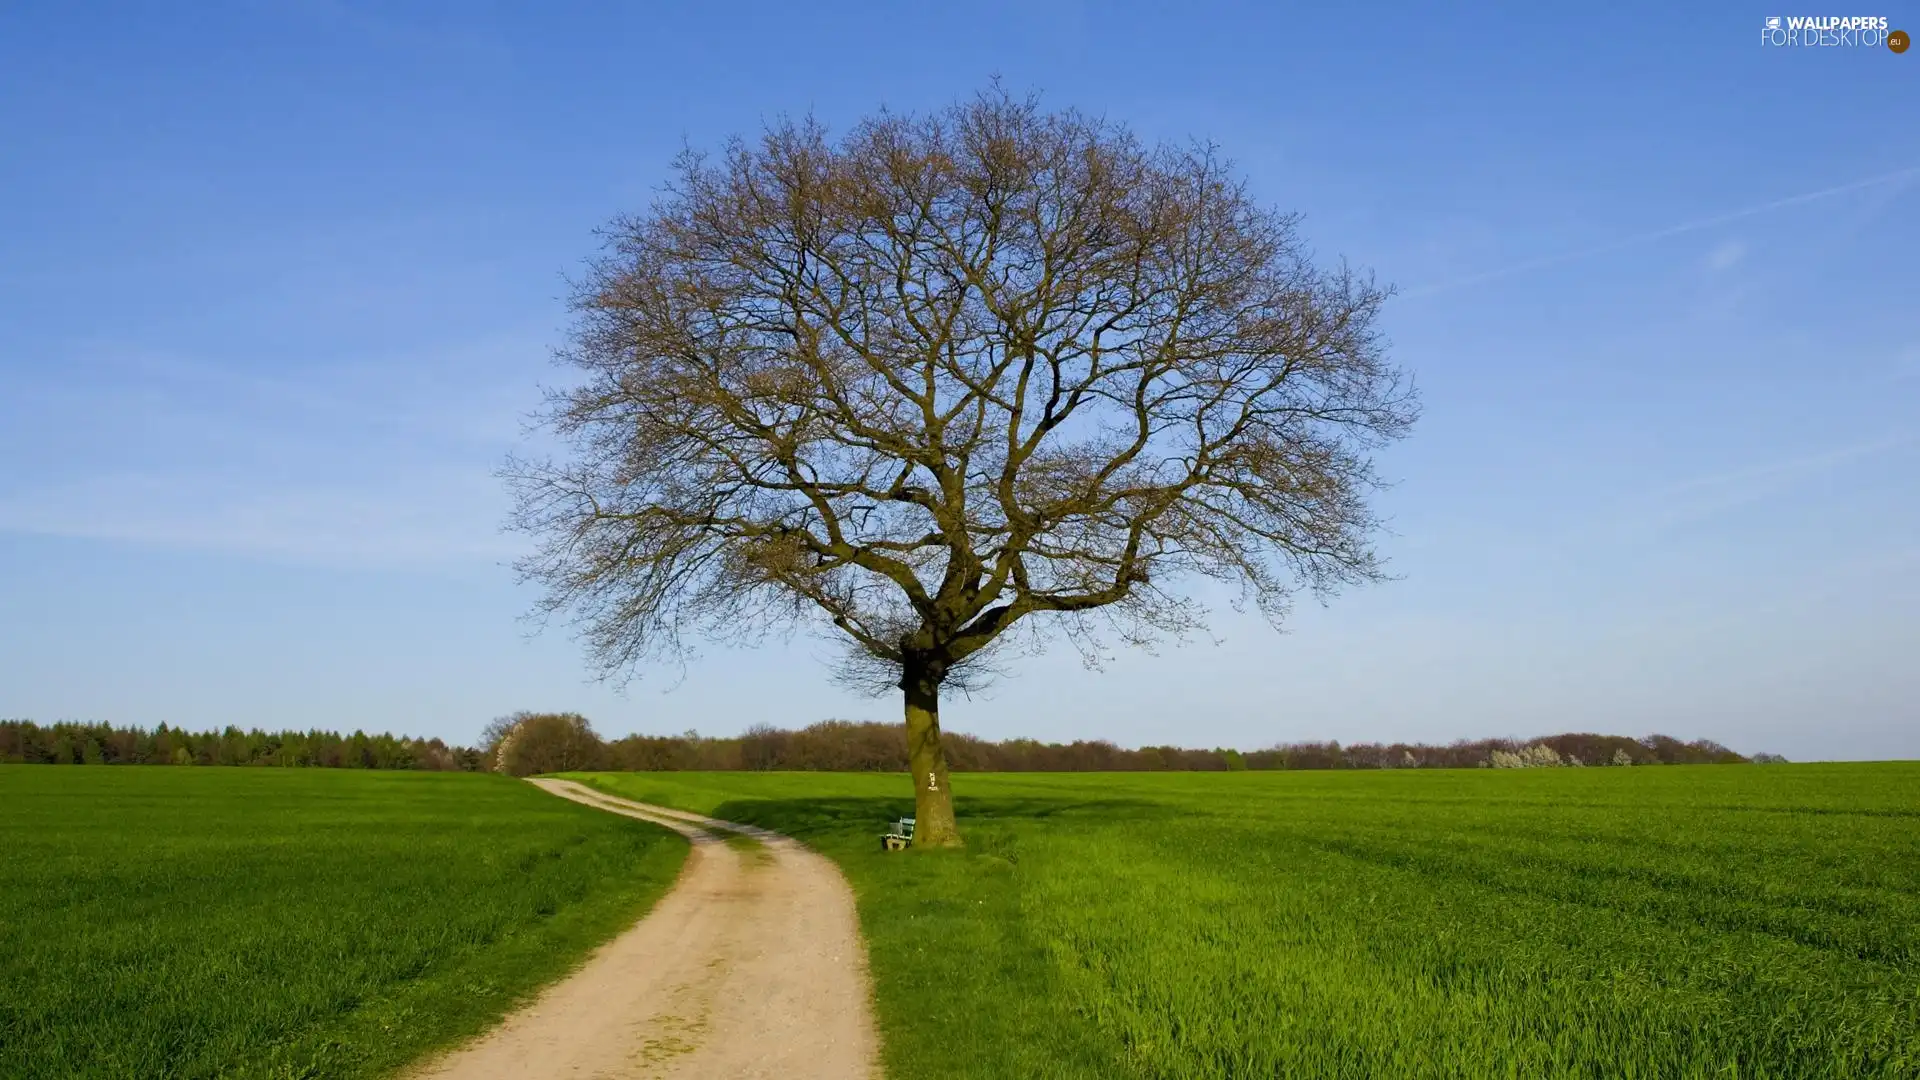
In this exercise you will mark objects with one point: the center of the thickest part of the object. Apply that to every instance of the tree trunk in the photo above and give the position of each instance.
(927, 761)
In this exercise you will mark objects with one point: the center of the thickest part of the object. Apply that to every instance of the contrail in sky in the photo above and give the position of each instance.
(1661, 234)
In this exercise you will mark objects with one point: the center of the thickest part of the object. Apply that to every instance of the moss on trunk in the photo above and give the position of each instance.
(927, 761)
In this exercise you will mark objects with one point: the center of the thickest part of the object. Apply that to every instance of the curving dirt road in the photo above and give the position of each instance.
(752, 966)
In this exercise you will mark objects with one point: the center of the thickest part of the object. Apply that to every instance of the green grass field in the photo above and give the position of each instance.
(178, 922)
(1730, 921)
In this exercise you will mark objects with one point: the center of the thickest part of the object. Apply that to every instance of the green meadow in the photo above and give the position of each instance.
(1679, 921)
(228, 922)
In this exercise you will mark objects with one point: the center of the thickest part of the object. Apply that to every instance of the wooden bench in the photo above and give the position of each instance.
(900, 837)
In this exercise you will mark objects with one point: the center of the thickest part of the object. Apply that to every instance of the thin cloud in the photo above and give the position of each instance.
(1907, 366)
(1726, 256)
(1639, 239)
(383, 463)
(1704, 496)
(1791, 467)
(465, 392)
(427, 519)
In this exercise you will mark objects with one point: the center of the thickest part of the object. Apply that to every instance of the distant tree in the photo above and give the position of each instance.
(949, 378)
(1671, 751)
(1531, 756)
(495, 733)
(764, 747)
(548, 742)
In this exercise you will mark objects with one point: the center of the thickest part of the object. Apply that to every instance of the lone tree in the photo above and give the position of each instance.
(943, 383)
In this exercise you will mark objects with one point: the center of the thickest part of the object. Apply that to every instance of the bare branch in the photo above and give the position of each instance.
(949, 377)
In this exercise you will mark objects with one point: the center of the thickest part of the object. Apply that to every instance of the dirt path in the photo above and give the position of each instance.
(752, 966)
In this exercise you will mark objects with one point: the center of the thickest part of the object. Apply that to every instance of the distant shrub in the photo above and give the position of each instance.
(1621, 757)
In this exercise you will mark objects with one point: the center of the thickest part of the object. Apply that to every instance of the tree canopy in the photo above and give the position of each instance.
(948, 378)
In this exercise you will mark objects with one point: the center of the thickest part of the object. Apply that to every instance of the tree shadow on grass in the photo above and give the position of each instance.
(962, 986)
(805, 819)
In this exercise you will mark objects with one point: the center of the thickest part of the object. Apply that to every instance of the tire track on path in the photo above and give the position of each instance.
(749, 967)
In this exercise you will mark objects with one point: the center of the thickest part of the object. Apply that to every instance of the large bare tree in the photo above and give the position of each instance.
(950, 379)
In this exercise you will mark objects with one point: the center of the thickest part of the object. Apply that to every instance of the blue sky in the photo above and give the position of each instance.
(278, 282)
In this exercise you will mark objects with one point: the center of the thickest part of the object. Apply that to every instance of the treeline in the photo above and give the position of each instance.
(1569, 749)
(843, 746)
(527, 743)
(23, 741)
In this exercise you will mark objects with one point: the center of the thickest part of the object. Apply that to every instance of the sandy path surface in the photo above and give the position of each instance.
(752, 966)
